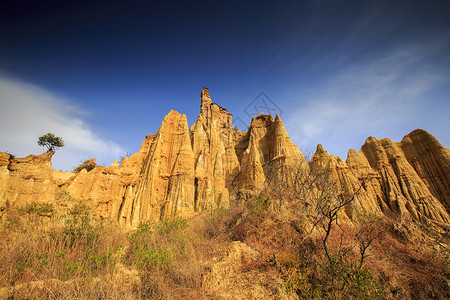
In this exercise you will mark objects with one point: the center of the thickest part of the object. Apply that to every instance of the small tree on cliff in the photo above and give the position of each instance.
(50, 141)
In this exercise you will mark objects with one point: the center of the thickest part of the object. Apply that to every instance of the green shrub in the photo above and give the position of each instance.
(258, 206)
(313, 276)
(157, 246)
(78, 226)
(342, 278)
(38, 209)
(64, 197)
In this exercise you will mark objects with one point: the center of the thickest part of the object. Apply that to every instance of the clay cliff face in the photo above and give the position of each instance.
(405, 180)
(182, 170)
(26, 179)
(431, 162)
(268, 154)
(401, 190)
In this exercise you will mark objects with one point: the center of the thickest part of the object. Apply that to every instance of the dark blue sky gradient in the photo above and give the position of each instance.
(127, 63)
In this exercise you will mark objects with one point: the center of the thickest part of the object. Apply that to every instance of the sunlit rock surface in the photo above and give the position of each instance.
(180, 171)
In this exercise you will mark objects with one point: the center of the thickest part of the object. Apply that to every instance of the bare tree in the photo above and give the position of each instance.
(368, 230)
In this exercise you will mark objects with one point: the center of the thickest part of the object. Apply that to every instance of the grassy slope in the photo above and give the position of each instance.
(248, 250)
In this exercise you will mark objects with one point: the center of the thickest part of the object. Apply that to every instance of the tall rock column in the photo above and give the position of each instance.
(166, 180)
(205, 105)
(212, 138)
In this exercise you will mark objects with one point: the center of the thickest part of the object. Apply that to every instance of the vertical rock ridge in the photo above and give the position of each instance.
(344, 182)
(400, 187)
(182, 170)
(431, 161)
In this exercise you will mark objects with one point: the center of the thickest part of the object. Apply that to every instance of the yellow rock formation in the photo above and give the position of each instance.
(182, 170)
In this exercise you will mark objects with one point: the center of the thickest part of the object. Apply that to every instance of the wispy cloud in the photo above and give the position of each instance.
(364, 99)
(28, 112)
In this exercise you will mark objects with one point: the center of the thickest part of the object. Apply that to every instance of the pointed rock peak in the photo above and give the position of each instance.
(172, 113)
(173, 118)
(261, 120)
(320, 157)
(354, 157)
(205, 102)
(278, 127)
(320, 150)
(205, 94)
(277, 119)
(278, 122)
(352, 152)
(371, 139)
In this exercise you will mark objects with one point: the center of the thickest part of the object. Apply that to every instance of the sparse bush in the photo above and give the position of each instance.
(222, 220)
(64, 197)
(122, 158)
(87, 165)
(258, 206)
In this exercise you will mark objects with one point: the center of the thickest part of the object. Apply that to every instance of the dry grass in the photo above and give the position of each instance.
(249, 250)
(411, 264)
(49, 254)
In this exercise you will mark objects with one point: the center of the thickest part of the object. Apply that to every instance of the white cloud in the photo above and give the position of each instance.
(362, 100)
(28, 112)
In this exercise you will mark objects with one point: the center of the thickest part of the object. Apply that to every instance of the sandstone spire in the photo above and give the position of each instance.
(205, 103)
(182, 170)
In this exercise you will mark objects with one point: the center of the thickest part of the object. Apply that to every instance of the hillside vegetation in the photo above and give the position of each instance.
(255, 248)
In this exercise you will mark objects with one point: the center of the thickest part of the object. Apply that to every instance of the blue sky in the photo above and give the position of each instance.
(103, 74)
